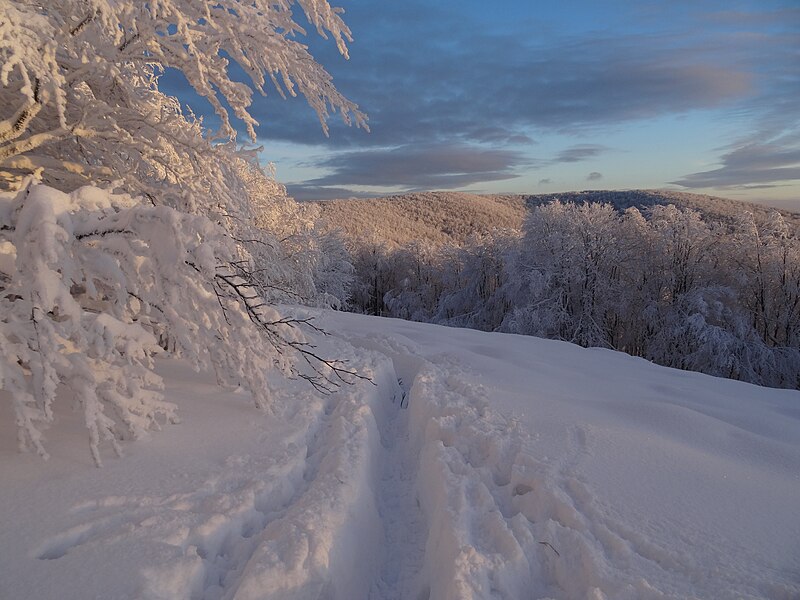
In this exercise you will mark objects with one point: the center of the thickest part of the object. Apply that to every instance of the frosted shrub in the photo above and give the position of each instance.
(186, 242)
(94, 285)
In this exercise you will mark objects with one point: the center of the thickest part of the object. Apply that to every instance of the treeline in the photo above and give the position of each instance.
(719, 297)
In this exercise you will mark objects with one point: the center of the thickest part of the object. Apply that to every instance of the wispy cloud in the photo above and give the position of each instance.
(594, 176)
(424, 73)
(419, 166)
(578, 153)
(755, 163)
(742, 18)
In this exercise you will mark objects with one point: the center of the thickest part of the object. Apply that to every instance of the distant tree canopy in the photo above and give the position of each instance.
(720, 295)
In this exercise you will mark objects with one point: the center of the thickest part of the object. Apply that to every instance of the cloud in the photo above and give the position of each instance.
(431, 166)
(768, 154)
(741, 18)
(313, 192)
(594, 176)
(427, 74)
(752, 165)
(430, 75)
(497, 135)
(578, 153)
(545, 181)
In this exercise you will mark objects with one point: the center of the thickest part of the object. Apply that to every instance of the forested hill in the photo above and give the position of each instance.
(441, 218)
(450, 217)
(687, 281)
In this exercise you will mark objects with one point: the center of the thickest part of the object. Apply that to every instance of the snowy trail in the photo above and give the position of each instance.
(413, 487)
(502, 521)
(446, 499)
(399, 509)
(291, 514)
(439, 489)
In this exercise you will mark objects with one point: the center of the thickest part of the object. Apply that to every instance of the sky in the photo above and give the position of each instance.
(539, 97)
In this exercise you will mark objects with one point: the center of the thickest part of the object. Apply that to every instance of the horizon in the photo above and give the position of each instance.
(779, 205)
(512, 98)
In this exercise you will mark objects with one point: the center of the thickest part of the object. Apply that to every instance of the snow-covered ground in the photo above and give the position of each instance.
(478, 465)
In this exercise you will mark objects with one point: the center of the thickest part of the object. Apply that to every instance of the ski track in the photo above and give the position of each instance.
(461, 507)
(398, 506)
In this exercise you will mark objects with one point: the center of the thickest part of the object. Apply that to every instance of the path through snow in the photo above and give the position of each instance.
(399, 510)
(415, 487)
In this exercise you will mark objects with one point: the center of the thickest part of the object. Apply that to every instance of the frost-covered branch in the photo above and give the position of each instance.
(93, 285)
(90, 68)
(92, 276)
(326, 374)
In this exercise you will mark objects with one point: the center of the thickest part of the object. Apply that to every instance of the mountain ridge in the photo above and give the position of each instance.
(445, 217)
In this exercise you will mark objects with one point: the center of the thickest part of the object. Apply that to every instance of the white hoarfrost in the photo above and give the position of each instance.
(476, 465)
(79, 92)
(94, 285)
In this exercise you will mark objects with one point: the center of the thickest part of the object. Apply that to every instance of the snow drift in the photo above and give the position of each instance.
(478, 465)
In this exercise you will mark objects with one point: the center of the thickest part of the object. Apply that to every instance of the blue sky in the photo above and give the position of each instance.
(538, 97)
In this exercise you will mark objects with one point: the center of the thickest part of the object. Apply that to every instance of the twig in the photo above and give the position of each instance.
(549, 545)
(321, 381)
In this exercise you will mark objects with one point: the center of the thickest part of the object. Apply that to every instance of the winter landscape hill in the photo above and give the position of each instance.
(685, 280)
(185, 414)
(475, 466)
(450, 217)
(436, 217)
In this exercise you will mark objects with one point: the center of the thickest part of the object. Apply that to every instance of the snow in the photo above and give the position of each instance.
(477, 465)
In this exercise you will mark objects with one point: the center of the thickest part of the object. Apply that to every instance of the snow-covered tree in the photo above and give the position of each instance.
(80, 94)
(665, 283)
(331, 270)
(184, 248)
(477, 281)
(571, 262)
(767, 260)
(296, 260)
(375, 276)
(415, 273)
(92, 285)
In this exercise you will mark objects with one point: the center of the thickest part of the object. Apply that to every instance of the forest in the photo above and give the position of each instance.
(704, 291)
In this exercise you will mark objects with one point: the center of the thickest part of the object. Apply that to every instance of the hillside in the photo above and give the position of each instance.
(450, 217)
(437, 217)
(712, 207)
(479, 465)
(706, 284)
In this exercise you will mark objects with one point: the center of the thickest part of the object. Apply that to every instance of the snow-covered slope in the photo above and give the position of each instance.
(479, 465)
